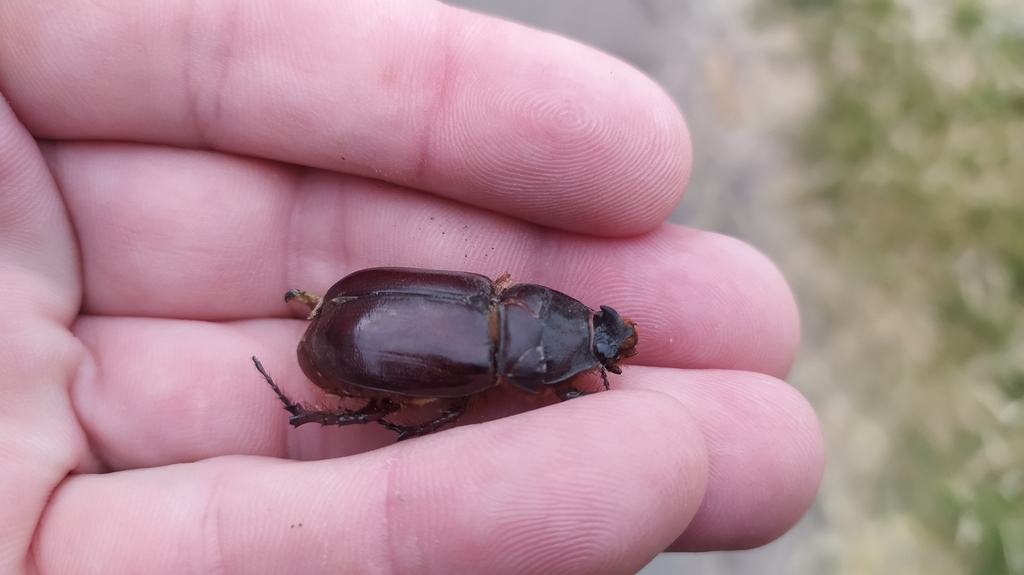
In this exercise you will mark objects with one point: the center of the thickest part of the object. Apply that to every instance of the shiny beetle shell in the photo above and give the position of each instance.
(399, 336)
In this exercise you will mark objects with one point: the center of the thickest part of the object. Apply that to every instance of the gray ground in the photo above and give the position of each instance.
(740, 87)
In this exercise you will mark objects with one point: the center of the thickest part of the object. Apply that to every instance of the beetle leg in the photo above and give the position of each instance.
(453, 411)
(372, 411)
(310, 300)
(293, 408)
(503, 283)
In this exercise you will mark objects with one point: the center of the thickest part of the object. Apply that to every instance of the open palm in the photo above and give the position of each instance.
(168, 171)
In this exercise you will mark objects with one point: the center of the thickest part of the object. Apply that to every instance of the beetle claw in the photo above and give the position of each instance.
(572, 393)
(403, 432)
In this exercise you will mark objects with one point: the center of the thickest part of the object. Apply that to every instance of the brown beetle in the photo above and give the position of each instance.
(400, 337)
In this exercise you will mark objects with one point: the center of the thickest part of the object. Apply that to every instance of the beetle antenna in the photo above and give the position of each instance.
(292, 408)
(604, 376)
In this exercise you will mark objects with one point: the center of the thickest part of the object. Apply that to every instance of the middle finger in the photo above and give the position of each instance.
(197, 235)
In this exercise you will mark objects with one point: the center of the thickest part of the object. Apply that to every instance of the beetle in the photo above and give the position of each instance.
(402, 337)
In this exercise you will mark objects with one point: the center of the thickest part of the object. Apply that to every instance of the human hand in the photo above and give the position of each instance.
(201, 159)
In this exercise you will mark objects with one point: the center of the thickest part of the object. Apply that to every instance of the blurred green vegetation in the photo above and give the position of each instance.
(912, 185)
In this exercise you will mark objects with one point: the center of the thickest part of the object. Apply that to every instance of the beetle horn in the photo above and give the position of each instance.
(613, 336)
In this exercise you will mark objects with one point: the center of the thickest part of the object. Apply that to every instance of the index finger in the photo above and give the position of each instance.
(416, 93)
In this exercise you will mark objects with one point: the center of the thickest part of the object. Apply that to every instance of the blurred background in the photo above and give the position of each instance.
(875, 150)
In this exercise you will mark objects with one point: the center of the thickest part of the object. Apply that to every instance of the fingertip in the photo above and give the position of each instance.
(779, 495)
(706, 301)
(560, 116)
(765, 450)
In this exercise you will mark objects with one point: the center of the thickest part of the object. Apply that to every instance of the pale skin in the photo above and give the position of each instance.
(169, 170)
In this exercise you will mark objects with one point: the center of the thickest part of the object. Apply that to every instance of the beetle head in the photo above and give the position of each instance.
(614, 338)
